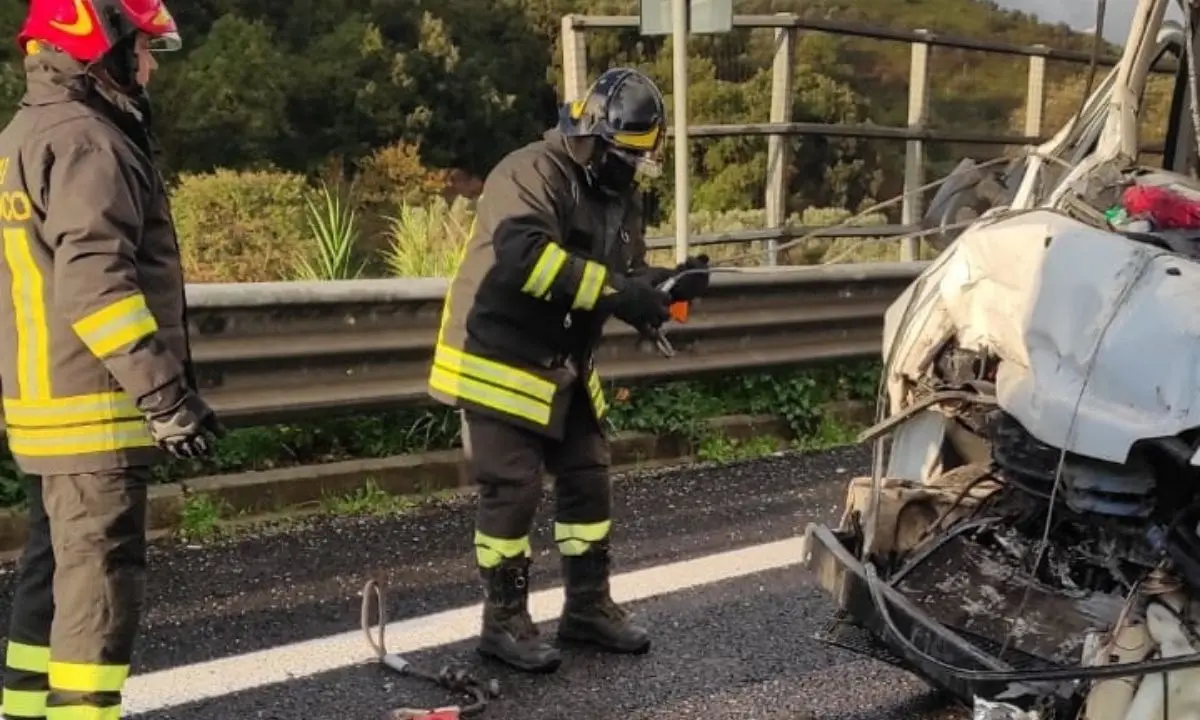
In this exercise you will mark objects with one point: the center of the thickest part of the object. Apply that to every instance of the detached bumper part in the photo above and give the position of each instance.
(944, 657)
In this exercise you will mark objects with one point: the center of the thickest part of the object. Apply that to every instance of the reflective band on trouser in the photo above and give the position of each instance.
(576, 538)
(116, 325)
(491, 551)
(26, 668)
(87, 677)
(24, 704)
(492, 385)
(590, 286)
(29, 310)
(596, 393)
(79, 439)
(547, 267)
(84, 679)
(30, 658)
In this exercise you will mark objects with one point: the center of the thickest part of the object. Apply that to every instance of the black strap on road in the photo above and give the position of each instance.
(456, 679)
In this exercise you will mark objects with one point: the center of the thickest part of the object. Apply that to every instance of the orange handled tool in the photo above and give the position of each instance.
(679, 311)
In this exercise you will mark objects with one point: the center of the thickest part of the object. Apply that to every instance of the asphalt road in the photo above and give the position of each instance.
(734, 648)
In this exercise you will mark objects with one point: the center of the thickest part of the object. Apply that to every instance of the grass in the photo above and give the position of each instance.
(679, 409)
(202, 517)
(205, 519)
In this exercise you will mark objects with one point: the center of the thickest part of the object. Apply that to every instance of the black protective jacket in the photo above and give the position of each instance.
(521, 324)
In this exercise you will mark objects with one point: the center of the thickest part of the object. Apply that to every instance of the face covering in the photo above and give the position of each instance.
(614, 172)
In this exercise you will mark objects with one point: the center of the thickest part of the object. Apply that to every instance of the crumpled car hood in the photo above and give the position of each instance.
(1077, 316)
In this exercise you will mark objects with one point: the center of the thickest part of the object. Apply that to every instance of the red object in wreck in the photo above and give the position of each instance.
(1167, 210)
(443, 713)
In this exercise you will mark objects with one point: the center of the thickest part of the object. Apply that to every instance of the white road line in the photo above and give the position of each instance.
(191, 683)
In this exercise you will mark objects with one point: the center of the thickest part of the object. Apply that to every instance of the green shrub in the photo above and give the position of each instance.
(240, 226)
(392, 222)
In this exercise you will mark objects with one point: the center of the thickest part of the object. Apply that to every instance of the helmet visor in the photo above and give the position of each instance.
(643, 150)
(644, 163)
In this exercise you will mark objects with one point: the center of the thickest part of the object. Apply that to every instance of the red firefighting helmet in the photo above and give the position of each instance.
(87, 29)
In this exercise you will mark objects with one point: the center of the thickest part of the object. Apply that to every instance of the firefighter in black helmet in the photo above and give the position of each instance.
(557, 248)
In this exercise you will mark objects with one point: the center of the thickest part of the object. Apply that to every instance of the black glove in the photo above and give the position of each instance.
(693, 285)
(653, 275)
(638, 303)
(180, 422)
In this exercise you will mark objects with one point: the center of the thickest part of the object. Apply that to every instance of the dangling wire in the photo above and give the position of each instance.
(1043, 544)
(451, 678)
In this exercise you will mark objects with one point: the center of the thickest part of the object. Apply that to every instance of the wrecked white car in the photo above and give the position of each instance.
(1030, 538)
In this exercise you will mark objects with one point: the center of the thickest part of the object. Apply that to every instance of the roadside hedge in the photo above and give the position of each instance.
(676, 408)
(390, 217)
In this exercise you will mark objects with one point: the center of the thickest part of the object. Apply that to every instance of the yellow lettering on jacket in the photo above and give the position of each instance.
(15, 206)
(3, 169)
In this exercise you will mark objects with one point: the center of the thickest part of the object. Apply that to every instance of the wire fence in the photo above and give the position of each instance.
(779, 137)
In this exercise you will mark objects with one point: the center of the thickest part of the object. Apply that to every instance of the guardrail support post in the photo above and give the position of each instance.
(914, 156)
(1035, 95)
(779, 146)
(574, 54)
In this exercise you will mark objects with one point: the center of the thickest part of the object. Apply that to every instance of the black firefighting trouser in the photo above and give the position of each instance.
(507, 461)
(78, 598)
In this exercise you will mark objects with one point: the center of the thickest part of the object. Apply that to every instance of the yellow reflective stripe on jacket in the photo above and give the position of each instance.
(576, 538)
(590, 286)
(489, 396)
(547, 267)
(87, 677)
(83, 712)
(71, 410)
(29, 309)
(24, 703)
(30, 658)
(116, 325)
(490, 371)
(596, 393)
(490, 551)
(79, 439)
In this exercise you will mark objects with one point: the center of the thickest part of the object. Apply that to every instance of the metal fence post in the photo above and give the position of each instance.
(574, 52)
(779, 146)
(914, 155)
(1035, 95)
(679, 89)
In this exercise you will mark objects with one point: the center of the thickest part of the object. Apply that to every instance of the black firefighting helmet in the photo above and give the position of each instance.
(624, 110)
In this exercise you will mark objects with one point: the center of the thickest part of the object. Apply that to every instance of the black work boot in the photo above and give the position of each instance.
(509, 634)
(590, 615)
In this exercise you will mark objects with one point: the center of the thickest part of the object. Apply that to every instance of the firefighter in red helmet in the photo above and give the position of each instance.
(95, 364)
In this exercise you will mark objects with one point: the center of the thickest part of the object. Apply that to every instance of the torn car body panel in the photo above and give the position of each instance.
(1058, 302)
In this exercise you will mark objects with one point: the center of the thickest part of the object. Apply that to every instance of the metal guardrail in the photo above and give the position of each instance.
(275, 352)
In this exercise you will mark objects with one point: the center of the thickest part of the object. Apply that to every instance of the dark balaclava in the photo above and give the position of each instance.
(607, 169)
